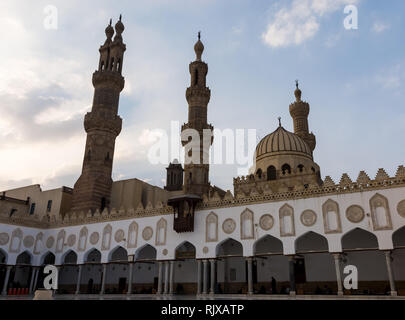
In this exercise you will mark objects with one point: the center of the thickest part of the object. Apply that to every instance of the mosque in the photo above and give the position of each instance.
(283, 231)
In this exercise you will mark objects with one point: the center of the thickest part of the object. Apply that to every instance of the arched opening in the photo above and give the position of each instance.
(117, 272)
(398, 263)
(3, 268)
(145, 271)
(259, 173)
(196, 77)
(360, 249)
(314, 266)
(231, 267)
(92, 273)
(21, 273)
(285, 169)
(103, 204)
(272, 266)
(185, 269)
(68, 273)
(47, 258)
(271, 173)
(300, 168)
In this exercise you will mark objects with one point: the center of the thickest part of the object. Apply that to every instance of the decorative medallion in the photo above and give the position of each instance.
(308, 218)
(94, 237)
(71, 240)
(401, 208)
(266, 222)
(229, 226)
(205, 250)
(4, 238)
(147, 233)
(49, 242)
(165, 252)
(119, 235)
(28, 241)
(355, 214)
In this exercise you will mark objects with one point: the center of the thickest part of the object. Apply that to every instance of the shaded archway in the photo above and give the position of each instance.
(231, 267)
(47, 259)
(398, 263)
(145, 271)
(68, 273)
(91, 277)
(22, 271)
(314, 266)
(117, 271)
(271, 265)
(3, 267)
(185, 269)
(360, 249)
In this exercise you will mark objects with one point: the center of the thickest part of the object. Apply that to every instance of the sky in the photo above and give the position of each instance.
(353, 79)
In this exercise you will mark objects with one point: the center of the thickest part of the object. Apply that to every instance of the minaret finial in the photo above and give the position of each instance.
(199, 47)
(110, 22)
(120, 17)
(279, 121)
(199, 35)
(296, 83)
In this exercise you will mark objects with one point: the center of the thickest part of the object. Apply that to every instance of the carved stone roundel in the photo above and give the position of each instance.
(147, 233)
(401, 208)
(308, 218)
(229, 226)
(119, 235)
(49, 242)
(266, 222)
(165, 252)
(355, 214)
(28, 241)
(71, 240)
(4, 237)
(94, 237)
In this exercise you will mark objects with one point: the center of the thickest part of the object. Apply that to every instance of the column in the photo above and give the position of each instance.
(6, 278)
(199, 276)
(205, 278)
(166, 277)
(171, 287)
(250, 275)
(36, 278)
(213, 274)
(291, 263)
(33, 275)
(337, 258)
(130, 272)
(388, 260)
(103, 278)
(79, 277)
(160, 278)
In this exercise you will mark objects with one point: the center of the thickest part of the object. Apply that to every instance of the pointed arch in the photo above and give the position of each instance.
(106, 239)
(82, 243)
(48, 258)
(331, 217)
(118, 254)
(3, 256)
(380, 213)
(287, 223)
(246, 224)
(161, 230)
(16, 240)
(132, 235)
(271, 173)
(211, 227)
(92, 256)
(229, 247)
(311, 241)
(146, 252)
(398, 237)
(24, 258)
(185, 250)
(267, 245)
(69, 257)
(359, 238)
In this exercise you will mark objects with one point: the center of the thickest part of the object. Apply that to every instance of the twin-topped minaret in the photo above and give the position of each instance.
(196, 175)
(92, 190)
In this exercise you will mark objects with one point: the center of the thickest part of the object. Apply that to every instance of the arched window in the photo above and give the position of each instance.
(271, 173)
(195, 77)
(102, 66)
(112, 63)
(259, 173)
(103, 201)
(286, 168)
(300, 168)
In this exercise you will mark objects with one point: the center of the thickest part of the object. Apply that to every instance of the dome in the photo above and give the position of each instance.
(282, 141)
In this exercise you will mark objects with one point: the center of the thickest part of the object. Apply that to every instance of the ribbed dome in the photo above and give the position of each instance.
(282, 140)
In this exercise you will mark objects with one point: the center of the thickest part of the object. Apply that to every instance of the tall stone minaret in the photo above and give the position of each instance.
(93, 188)
(196, 175)
(299, 111)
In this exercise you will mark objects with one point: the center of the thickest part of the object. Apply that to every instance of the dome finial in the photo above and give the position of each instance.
(199, 47)
(199, 35)
(297, 92)
(279, 121)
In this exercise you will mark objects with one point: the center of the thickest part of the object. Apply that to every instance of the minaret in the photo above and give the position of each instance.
(198, 95)
(299, 111)
(93, 188)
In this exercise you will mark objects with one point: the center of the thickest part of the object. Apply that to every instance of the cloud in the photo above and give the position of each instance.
(391, 78)
(300, 22)
(379, 27)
